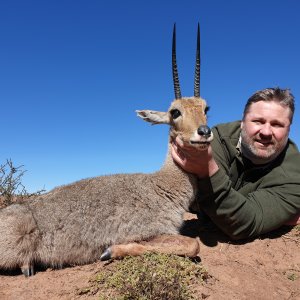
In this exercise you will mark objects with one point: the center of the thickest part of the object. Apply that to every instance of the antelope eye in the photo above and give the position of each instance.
(175, 113)
(207, 108)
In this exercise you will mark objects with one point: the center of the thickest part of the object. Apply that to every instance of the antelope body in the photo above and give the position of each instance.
(122, 214)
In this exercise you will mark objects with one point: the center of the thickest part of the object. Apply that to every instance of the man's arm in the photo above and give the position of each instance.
(238, 215)
(258, 212)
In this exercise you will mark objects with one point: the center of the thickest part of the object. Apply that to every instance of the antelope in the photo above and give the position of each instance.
(116, 215)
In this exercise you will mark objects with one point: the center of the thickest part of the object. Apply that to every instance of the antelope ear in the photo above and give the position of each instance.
(154, 117)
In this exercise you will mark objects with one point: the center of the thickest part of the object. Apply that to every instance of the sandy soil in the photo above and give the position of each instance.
(265, 268)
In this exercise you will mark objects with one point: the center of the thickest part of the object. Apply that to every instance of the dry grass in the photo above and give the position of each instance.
(151, 276)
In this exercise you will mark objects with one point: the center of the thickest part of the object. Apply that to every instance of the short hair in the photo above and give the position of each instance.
(282, 96)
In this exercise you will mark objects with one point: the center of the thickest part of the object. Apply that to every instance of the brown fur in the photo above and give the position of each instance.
(73, 224)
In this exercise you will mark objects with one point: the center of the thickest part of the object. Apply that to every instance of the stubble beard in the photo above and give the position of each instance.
(260, 155)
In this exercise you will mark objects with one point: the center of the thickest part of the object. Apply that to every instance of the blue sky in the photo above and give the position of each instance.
(72, 74)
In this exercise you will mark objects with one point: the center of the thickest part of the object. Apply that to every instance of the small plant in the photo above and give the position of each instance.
(292, 276)
(11, 183)
(150, 276)
(296, 232)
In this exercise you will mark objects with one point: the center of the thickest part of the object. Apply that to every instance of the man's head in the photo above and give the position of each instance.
(282, 96)
(268, 115)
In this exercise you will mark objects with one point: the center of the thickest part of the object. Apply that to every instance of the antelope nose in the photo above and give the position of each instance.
(204, 130)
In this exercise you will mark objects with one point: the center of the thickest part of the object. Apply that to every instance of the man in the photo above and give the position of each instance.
(249, 178)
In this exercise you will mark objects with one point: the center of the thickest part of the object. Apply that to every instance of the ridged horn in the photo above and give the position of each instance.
(197, 67)
(174, 66)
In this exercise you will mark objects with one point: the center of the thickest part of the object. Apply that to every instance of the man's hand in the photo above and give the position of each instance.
(194, 160)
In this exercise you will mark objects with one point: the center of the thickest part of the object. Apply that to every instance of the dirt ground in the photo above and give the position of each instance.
(265, 268)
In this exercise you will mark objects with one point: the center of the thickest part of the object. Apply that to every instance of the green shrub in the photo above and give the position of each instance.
(150, 276)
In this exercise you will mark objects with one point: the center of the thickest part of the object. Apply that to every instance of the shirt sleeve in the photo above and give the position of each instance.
(242, 216)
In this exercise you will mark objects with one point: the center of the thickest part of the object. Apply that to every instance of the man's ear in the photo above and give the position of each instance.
(154, 117)
(242, 124)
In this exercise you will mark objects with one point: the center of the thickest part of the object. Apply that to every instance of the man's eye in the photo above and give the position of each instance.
(175, 113)
(277, 125)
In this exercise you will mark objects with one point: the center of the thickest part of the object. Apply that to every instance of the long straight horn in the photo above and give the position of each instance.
(197, 67)
(174, 67)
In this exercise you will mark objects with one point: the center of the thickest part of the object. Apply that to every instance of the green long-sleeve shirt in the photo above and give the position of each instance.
(246, 200)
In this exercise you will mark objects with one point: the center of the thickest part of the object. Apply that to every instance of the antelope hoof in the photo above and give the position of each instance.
(106, 255)
(28, 271)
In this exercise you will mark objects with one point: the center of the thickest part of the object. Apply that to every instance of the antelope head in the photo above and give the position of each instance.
(186, 115)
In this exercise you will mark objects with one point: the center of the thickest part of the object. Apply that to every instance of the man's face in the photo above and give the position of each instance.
(265, 130)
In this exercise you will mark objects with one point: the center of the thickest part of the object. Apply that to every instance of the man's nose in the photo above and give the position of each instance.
(266, 130)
